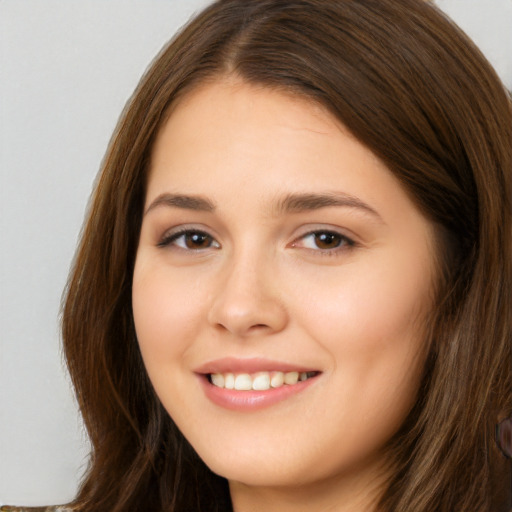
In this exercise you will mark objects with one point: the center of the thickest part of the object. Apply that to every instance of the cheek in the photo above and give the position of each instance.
(165, 312)
(367, 309)
(370, 319)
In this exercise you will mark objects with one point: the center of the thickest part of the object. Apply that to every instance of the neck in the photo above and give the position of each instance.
(359, 493)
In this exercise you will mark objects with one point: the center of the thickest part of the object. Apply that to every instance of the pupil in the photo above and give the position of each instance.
(195, 240)
(327, 240)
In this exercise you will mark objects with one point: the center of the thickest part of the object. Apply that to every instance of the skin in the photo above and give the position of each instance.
(261, 285)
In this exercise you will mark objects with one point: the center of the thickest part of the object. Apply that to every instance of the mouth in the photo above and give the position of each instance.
(251, 384)
(259, 381)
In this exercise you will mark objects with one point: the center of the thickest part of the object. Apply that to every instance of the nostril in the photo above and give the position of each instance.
(258, 328)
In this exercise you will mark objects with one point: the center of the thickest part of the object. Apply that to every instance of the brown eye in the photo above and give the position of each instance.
(197, 240)
(190, 240)
(327, 240)
(324, 242)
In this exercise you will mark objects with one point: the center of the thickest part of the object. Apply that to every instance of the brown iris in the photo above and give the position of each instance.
(197, 240)
(327, 240)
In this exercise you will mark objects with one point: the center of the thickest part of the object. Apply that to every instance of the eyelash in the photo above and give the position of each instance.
(171, 239)
(343, 242)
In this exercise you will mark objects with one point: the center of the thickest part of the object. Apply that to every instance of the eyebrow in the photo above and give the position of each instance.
(297, 203)
(197, 203)
(291, 203)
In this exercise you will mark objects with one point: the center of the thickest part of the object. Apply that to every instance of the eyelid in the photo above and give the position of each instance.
(347, 242)
(174, 234)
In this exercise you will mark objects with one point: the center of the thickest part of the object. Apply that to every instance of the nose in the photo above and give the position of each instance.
(248, 300)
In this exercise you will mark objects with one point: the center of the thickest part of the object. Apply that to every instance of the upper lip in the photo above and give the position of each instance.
(249, 365)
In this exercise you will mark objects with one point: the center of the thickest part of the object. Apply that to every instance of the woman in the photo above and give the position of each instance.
(293, 285)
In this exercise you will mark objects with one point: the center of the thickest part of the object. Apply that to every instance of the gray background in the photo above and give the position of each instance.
(66, 70)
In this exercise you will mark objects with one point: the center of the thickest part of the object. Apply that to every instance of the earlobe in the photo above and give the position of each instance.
(504, 436)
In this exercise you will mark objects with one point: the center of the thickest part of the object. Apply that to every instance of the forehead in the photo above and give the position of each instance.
(232, 103)
(252, 127)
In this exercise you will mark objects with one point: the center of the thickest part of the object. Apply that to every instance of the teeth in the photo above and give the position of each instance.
(229, 381)
(218, 380)
(260, 381)
(243, 382)
(291, 378)
(277, 379)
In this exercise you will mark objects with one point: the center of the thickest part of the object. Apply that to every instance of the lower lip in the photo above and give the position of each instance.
(252, 400)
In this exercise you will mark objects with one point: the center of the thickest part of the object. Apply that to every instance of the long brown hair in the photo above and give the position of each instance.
(415, 90)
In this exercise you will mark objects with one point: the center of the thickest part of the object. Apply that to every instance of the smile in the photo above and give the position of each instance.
(255, 383)
(259, 381)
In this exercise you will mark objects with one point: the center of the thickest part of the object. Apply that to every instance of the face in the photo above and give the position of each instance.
(280, 290)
